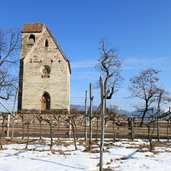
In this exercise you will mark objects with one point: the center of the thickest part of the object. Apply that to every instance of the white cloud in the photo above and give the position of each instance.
(86, 75)
(84, 64)
(139, 63)
(86, 69)
(129, 63)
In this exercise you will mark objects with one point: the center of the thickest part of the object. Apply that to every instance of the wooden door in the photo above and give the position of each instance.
(45, 102)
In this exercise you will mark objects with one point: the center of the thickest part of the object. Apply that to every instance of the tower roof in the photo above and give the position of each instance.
(32, 27)
(38, 28)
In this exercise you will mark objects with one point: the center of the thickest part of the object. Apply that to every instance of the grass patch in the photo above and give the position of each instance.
(93, 150)
(107, 169)
(61, 142)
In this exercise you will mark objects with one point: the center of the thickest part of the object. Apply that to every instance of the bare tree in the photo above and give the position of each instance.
(71, 121)
(40, 119)
(9, 50)
(161, 97)
(112, 115)
(4, 125)
(144, 87)
(109, 64)
(50, 121)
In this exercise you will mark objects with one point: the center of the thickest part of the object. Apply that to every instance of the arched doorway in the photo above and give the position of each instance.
(45, 102)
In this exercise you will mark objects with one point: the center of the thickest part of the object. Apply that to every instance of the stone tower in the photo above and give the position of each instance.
(44, 71)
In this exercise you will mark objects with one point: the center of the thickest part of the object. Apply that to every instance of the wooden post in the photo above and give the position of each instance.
(10, 113)
(58, 122)
(148, 125)
(40, 131)
(86, 115)
(168, 129)
(158, 133)
(8, 125)
(114, 135)
(102, 123)
(168, 123)
(103, 108)
(90, 117)
(132, 129)
(12, 127)
(13, 117)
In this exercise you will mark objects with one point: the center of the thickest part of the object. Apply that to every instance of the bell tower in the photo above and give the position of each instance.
(44, 83)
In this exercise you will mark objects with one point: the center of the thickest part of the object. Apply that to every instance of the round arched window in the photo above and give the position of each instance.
(31, 39)
(45, 70)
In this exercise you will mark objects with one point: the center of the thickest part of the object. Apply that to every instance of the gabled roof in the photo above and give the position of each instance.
(59, 48)
(32, 27)
(37, 28)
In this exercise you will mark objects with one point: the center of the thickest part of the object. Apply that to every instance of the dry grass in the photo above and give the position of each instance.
(62, 142)
(107, 169)
(22, 141)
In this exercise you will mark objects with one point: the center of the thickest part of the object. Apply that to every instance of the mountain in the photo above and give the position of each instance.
(78, 107)
(82, 108)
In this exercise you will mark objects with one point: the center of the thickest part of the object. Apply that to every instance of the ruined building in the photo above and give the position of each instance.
(44, 71)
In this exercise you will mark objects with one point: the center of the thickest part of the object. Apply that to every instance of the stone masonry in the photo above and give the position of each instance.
(44, 71)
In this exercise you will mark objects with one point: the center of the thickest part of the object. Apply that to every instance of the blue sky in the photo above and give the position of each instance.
(140, 28)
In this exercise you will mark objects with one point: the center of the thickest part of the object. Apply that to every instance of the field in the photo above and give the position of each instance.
(31, 149)
(122, 154)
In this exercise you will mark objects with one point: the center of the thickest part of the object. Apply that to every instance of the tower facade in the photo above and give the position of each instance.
(44, 71)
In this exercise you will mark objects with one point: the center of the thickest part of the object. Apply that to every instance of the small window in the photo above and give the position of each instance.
(31, 40)
(46, 43)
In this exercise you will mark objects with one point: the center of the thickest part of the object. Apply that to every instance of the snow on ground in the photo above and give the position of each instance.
(122, 155)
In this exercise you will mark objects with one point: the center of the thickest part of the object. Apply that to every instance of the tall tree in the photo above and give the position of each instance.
(109, 64)
(9, 55)
(144, 87)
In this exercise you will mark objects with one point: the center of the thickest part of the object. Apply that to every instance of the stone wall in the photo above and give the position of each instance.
(35, 82)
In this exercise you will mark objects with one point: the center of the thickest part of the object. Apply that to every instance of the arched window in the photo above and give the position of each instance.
(31, 39)
(46, 43)
(45, 101)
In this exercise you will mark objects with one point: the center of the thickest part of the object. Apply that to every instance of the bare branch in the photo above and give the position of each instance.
(9, 48)
(144, 86)
(109, 64)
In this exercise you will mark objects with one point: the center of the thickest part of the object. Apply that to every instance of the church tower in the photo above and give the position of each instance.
(44, 71)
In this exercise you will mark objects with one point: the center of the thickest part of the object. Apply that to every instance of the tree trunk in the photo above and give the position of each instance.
(74, 135)
(114, 135)
(22, 117)
(40, 131)
(132, 129)
(51, 135)
(97, 128)
(27, 136)
(3, 125)
(8, 125)
(58, 126)
(143, 116)
(85, 132)
(102, 124)
(12, 125)
(168, 130)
